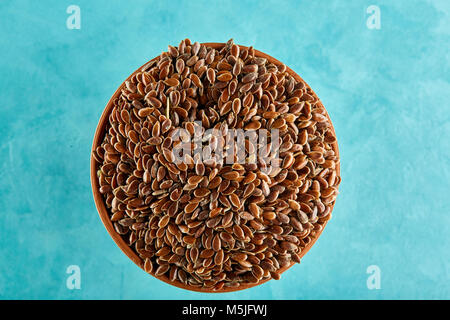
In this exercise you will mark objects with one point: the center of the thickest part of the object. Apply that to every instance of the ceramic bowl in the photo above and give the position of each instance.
(103, 211)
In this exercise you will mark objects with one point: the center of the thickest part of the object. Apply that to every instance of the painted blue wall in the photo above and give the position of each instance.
(387, 92)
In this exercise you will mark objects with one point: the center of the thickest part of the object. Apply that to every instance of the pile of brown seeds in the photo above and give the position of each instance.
(199, 222)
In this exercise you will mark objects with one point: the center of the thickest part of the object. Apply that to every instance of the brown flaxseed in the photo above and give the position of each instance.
(202, 222)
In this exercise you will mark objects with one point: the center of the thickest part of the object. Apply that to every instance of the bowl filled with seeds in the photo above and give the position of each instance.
(215, 167)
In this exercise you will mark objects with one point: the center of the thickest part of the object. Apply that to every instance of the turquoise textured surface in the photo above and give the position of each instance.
(387, 91)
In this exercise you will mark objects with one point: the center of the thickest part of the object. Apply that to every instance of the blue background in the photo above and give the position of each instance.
(387, 92)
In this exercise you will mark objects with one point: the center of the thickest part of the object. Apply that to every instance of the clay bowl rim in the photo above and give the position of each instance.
(103, 212)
